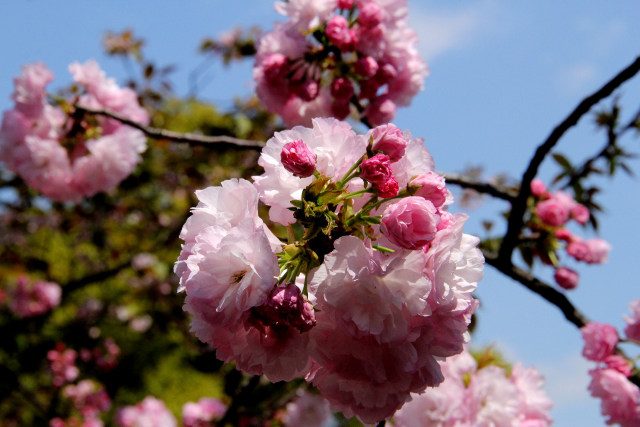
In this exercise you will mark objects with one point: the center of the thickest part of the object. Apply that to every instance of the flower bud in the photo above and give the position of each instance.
(566, 278)
(339, 34)
(538, 188)
(390, 140)
(410, 223)
(377, 169)
(388, 189)
(298, 159)
(431, 187)
(580, 213)
(552, 212)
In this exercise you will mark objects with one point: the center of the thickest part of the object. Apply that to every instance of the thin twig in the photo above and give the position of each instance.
(190, 138)
(516, 218)
(496, 191)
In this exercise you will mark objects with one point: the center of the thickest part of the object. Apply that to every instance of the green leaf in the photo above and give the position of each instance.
(562, 161)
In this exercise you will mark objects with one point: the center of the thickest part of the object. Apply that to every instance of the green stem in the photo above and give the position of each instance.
(347, 176)
(383, 249)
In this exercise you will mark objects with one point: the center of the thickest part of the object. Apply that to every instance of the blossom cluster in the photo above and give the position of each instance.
(371, 286)
(153, 412)
(473, 395)
(620, 398)
(32, 298)
(333, 54)
(551, 213)
(60, 152)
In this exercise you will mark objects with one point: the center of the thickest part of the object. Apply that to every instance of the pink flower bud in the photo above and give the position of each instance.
(600, 340)
(432, 188)
(380, 111)
(298, 159)
(388, 189)
(632, 330)
(386, 73)
(308, 90)
(370, 15)
(619, 363)
(538, 188)
(580, 213)
(369, 89)
(342, 88)
(390, 140)
(566, 278)
(286, 307)
(598, 251)
(339, 34)
(446, 221)
(366, 67)
(552, 212)
(340, 109)
(410, 223)
(274, 67)
(377, 169)
(564, 235)
(345, 4)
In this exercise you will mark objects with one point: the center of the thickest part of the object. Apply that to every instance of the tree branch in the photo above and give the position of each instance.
(223, 141)
(516, 218)
(497, 191)
(571, 313)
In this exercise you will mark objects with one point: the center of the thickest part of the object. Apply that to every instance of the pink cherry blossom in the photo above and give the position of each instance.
(538, 188)
(620, 364)
(88, 398)
(600, 340)
(411, 222)
(28, 299)
(202, 413)
(566, 278)
(632, 330)
(336, 146)
(592, 251)
(390, 140)
(307, 409)
(62, 364)
(553, 212)
(377, 169)
(580, 213)
(431, 187)
(387, 189)
(372, 295)
(619, 396)
(298, 159)
(31, 135)
(479, 397)
(339, 34)
(149, 412)
(376, 54)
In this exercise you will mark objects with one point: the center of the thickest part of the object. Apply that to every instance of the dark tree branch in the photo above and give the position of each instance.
(222, 141)
(496, 191)
(571, 313)
(516, 218)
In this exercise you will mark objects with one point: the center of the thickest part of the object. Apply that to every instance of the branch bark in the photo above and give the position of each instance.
(222, 141)
(496, 191)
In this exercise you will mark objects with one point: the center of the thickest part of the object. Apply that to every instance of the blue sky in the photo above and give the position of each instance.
(503, 74)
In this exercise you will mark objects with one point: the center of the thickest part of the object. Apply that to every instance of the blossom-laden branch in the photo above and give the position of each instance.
(222, 141)
(516, 218)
